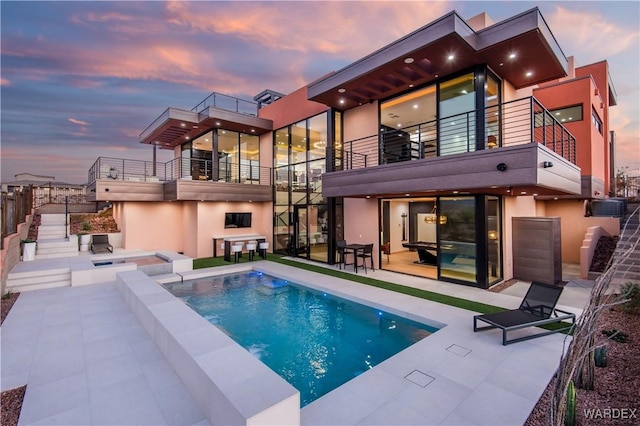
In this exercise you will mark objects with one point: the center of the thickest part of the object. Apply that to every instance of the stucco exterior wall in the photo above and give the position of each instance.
(361, 122)
(361, 223)
(294, 107)
(187, 227)
(151, 225)
(574, 226)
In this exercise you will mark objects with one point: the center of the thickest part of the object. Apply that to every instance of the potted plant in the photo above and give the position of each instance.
(28, 250)
(85, 237)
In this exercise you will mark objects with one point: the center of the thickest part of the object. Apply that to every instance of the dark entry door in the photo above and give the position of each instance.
(299, 244)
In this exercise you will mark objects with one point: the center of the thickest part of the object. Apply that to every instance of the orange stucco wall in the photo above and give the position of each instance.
(292, 108)
(514, 207)
(187, 227)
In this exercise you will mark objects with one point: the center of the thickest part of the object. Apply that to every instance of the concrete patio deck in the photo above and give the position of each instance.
(87, 360)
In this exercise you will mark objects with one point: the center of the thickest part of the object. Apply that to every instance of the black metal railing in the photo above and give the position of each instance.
(516, 122)
(247, 172)
(14, 208)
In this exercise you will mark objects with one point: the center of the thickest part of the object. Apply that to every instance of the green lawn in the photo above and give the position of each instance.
(470, 305)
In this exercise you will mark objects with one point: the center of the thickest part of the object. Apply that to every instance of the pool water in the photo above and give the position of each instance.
(313, 340)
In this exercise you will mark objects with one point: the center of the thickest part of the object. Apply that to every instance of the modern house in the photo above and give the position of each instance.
(471, 147)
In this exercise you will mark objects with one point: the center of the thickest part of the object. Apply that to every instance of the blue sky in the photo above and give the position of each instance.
(80, 80)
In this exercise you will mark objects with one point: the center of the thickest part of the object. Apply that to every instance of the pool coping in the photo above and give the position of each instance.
(229, 384)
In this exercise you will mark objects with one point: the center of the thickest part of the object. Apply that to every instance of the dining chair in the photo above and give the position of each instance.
(342, 253)
(367, 253)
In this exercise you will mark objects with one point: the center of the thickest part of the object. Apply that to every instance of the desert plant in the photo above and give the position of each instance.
(616, 335)
(600, 356)
(570, 414)
(7, 295)
(86, 228)
(631, 292)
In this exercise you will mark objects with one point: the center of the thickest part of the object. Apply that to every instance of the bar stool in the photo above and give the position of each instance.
(263, 249)
(236, 250)
(251, 248)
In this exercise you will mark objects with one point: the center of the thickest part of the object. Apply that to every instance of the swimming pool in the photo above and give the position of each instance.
(313, 340)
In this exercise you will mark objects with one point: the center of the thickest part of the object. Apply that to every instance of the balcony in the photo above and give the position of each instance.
(117, 179)
(174, 126)
(446, 155)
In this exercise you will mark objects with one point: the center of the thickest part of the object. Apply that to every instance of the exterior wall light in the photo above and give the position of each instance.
(547, 164)
(501, 167)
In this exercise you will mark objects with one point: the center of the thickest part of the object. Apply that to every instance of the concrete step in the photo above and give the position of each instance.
(57, 247)
(52, 231)
(37, 280)
(53, 219)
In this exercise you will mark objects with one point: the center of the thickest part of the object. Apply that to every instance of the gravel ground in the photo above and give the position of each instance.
(11, 400)
(617, 386)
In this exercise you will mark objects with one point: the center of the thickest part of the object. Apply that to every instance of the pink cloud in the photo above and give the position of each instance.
(78, 122)
(4, 82)
(591, 34)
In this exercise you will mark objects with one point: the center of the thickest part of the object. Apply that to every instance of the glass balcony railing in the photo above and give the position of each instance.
(522, 121)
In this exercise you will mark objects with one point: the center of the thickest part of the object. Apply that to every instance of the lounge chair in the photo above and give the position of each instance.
(537, 308)
(100, 242)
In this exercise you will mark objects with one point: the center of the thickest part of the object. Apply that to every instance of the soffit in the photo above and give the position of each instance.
(386, 72)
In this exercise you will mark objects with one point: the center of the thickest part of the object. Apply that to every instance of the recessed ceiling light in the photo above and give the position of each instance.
(436, 75)
(341, 101)
(501, 63)
(513, 55)
(406, 195)
(399, 124)
(341, 90)
(415, 106)
(368, 196)
(455, 192)
(529, 74)
(557, 113)
(450, 57)
(253, 130)
(217, 123)
(408, 60)
(411, 85)
(186, 137)
(182, 124)
(523, 192)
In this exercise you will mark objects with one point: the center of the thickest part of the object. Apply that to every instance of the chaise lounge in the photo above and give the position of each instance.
(100, 242)
(537, 308)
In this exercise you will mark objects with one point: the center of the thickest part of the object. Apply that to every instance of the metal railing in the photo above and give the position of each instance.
(14, 208)
(229, 103)
(247, 172)
(518, 122)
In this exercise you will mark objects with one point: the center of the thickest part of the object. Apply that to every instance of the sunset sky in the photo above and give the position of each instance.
(81, 80)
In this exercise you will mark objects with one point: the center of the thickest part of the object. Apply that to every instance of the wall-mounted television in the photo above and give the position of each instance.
(237, 220)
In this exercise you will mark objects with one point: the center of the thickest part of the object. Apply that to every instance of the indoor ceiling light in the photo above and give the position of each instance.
(408, 60)
(450, 57)
(513, 55)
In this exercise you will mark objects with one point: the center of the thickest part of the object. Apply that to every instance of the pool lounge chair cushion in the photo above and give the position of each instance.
(537, 308)
(100, 242)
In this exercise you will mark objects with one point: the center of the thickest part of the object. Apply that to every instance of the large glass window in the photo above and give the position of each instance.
(457, 124)
(458, 249)
(299, 162)
(408, 127)
(494, 239)
(249, 159)
(492, 112)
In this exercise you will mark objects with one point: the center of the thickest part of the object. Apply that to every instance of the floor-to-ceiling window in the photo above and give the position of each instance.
(222, 156)
(457, 115)
(454, 238)
(302, 214)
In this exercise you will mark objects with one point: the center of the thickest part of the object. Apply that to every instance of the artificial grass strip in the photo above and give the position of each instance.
(457, 302)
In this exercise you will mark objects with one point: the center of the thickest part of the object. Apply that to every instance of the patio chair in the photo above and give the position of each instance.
(100, 242)
(367, 253)
(537, 308)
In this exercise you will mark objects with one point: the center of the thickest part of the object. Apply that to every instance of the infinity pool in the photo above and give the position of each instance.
(313, 340)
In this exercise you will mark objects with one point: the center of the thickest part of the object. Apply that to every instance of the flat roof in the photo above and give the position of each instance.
(443, 47)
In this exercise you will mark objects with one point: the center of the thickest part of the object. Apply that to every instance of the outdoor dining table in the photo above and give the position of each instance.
(354, 248)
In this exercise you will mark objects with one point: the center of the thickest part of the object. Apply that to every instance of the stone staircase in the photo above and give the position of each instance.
(52, 242)
(628, 248)
(44, 275)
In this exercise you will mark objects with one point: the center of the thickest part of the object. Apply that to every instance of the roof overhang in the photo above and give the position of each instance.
(176, 126)
(424, 55)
